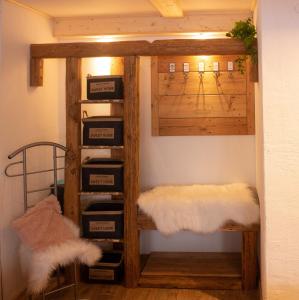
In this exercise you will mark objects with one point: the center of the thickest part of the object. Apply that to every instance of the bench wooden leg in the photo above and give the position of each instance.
(249, 260)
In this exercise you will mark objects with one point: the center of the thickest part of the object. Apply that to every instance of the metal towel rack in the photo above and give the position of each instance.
(23, 150)
(25, 173)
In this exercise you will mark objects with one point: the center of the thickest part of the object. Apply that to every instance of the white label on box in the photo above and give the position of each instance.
(102, 87)
(101, 133)
(102, 226)
(100, 179)
(101, 274)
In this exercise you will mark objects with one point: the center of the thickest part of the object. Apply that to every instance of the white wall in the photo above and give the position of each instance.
(279, 63)
(27, 115)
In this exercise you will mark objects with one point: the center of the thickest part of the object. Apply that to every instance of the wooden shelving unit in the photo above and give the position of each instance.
(209, 270)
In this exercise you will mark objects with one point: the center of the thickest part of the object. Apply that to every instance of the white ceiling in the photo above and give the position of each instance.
(76, 8)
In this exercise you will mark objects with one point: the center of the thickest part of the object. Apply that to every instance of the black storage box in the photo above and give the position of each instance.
(109, 269)
(102, 175)
(103, 131)
(105, 87)
(60, 193)
(103, 221)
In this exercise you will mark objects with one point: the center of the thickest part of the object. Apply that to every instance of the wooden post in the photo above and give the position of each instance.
(36, 71)
(73, 139)
(249, 260)
(131, 170)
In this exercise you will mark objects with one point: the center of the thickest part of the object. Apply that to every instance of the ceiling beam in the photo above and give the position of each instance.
(142, 48)
(147, 25)
(168, 8)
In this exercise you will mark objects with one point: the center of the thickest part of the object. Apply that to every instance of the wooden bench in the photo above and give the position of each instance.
(202, 270)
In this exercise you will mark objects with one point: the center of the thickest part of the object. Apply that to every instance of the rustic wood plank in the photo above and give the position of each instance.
(205, 264)
(168, 8)
(141, 48)
(203, 126)
(192, 282)
(154, 96)
(119, 292)
(202, 106)
(145, 222)
(208, 103)
(226, 83)
(200, 270)
(131, 170)
(250, 101)
(165, 60)
(213, 21)
(249, 260)
(36, 72)
(73, 138)
(254, 72)
(117, 154)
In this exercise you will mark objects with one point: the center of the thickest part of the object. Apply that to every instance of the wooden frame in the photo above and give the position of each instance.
(130, 50)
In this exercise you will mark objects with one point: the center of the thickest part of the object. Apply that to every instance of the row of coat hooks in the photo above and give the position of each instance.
(200, 68)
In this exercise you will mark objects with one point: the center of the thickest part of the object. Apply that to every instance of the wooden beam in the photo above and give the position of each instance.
(155, 96)
(146, 223)
(131, 170)
(168, 8)
(249, 260)
(147, 25)
(73, 139)
(140, 48)
(36, 71)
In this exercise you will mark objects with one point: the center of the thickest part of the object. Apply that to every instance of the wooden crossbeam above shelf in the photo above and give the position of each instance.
(139, 48)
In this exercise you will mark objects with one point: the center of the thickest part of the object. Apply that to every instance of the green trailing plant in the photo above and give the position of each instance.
(245, 31)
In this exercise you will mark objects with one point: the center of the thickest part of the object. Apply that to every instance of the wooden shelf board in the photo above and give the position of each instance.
(101, 147)
(206, 264)
(101, 193)
(192, 270)
(146, 223)
(107, 240)
(102, 101)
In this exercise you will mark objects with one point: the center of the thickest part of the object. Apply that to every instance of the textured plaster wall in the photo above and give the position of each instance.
(279, 78)
(27, 115)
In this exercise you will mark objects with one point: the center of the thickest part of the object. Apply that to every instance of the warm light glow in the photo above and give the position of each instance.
(106, 39)
(207, 35)
(203, 57)
(100, 66)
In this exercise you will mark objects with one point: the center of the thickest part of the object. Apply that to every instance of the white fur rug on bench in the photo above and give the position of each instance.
(200, 208)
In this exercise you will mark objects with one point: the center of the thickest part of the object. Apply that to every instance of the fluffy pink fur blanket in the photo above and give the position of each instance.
(200, 208)
(50, 240)
(43, 225)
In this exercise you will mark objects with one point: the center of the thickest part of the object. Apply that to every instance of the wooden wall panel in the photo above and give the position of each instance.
(186, 106)
(226, 83)
(208, 103)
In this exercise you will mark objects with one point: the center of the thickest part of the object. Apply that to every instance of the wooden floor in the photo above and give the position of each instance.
(117, 292)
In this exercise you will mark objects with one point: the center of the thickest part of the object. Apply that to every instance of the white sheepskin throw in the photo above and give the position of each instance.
(37, 266)
(200, 208)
